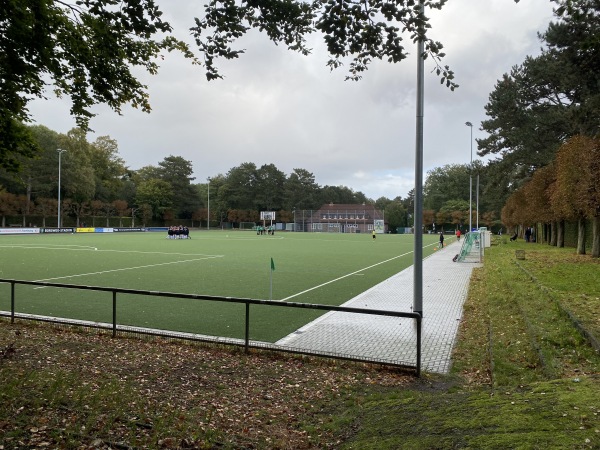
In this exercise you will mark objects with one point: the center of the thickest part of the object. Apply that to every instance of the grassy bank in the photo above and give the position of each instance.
(523, 374)
(523, 377)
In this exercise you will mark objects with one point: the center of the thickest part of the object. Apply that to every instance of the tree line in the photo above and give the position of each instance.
(544, 122)
(542, 127)
(566, 190)
(96, 182)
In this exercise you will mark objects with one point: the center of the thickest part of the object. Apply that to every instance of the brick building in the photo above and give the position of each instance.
(342, 218)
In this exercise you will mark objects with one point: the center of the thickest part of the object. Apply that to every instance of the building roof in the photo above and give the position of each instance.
(332, 211)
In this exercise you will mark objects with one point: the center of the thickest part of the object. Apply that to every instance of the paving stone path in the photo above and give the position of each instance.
(387, 339)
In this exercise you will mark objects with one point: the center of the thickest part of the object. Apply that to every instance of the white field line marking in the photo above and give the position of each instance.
(49, 246)
(237, 238)
(88, 249)
(348, 275)
(126, 268)
(343, 276)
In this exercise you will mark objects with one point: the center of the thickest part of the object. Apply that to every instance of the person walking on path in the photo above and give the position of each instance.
(458, 235)
(441, 239)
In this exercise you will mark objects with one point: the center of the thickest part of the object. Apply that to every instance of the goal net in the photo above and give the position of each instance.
(472, 248)
(248, 226)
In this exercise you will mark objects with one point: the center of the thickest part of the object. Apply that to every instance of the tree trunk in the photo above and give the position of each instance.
(581, 236)
(596, 237)
(560, 234)
(553, 233)
(27, 208)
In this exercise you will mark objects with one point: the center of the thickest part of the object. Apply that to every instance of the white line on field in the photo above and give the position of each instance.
(88, 248)
(48, 246)
(126, 268)
(344, 276)
(349, 275)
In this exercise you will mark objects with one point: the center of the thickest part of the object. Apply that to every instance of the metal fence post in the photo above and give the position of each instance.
(247, 338)
(12, 302)
(419, 325)
(114, 333)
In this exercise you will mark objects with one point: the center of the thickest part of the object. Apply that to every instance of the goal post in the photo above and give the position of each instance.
(247, 226)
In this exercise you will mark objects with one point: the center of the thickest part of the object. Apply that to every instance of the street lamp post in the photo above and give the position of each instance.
(470, 125)
(208, 214)
(477, 202)
(60, 152)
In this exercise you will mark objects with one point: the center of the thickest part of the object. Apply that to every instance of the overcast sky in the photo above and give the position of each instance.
(276, 106)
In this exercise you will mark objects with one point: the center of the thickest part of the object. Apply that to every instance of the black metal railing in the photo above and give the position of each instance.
(247, 343)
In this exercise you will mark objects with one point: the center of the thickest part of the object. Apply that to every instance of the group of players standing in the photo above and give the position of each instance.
(178, 232)
(270, 230)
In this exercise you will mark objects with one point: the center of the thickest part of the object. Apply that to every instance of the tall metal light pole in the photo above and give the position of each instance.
(208, 215)
(477, 202)
(418, 241)
(60, 152)
(470, 125)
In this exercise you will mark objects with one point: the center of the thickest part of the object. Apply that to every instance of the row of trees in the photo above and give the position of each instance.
(546, 100)
(44, 208)
(568, 189)
(547, 103)
(446, 197)
(96, 182)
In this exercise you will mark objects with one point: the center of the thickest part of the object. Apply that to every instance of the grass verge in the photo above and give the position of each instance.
(523, 376)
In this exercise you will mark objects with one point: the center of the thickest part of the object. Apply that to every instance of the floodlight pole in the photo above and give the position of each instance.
(477, 202)
(60, 152)
(418, 223)
(470, 125)
(208, 214)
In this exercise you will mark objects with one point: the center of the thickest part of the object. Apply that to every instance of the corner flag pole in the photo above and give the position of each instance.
(271, 279)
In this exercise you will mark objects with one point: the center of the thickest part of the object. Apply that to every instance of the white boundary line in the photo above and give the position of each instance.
(237, 238)
(343, 276)
(126, 268)
(92, 249)
(349, 274)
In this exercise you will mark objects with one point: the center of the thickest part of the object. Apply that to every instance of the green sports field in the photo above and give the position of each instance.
(323, 268)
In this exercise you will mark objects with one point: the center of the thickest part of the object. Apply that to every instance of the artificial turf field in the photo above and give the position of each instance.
(325, 268)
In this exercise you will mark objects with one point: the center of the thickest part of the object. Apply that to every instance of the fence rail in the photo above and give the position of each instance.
(247, 343)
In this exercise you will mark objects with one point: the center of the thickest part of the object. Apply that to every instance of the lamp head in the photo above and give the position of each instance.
(469, 124)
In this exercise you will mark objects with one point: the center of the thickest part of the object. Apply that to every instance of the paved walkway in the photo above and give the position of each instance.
(387, 339)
